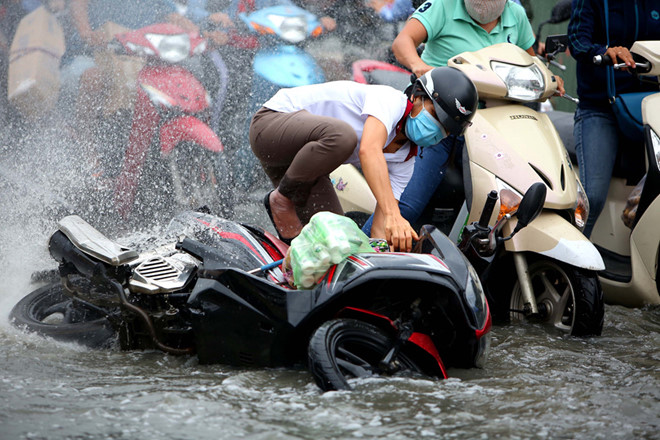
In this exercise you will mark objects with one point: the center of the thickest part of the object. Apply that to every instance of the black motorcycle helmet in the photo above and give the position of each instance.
(454, 96)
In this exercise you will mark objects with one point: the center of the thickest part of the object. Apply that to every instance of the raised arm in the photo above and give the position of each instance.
(405, 47)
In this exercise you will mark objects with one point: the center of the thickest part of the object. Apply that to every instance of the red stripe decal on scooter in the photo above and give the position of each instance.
(233, 236)
(479, 333)
(424, 342)
(331, 274)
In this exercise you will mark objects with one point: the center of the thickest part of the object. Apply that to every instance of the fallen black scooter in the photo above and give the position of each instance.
(216, 289)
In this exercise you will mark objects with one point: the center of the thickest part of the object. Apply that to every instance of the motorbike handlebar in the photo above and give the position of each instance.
(606, 60)
(488, 209)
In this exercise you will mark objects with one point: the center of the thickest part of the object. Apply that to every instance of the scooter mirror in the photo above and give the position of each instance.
(555, 44)
(531, 205)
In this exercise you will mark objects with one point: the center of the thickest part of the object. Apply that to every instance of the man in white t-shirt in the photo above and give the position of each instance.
(302, 134)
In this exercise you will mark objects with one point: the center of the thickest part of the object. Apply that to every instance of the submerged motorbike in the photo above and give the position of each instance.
(171, 158)
(215, 288)
(631, 252)
(548, 271)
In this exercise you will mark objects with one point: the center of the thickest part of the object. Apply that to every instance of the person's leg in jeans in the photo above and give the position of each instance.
(298, 151)
(596, 144)
(428, 174)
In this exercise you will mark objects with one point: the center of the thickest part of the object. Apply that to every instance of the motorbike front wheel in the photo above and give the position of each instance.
(570, 299)
(342, 349)
(50, 312)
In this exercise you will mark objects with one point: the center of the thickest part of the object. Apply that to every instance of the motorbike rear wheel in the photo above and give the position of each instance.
(346, 348)
(572, 298)
(50, 312)
(200, 178)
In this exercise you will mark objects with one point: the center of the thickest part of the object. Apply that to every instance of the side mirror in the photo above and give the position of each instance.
(531, 205)
(555, 44)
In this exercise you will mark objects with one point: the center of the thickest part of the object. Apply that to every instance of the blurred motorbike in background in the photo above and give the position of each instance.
(171, 158)
(280, 61)
(155, 149)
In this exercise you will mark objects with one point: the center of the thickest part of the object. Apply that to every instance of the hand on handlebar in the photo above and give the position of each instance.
(560, 85)
(399, 234)
(620, 54)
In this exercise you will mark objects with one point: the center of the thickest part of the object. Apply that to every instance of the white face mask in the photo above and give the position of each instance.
(485, 11)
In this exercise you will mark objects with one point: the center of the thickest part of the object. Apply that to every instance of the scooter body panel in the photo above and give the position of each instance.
(188, 129)
(521, 146)
(287, 66)
(185, 91)
(640, 290)
(352, 189)
(554, 237)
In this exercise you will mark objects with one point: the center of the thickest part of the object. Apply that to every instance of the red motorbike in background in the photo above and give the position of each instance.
(172, 159)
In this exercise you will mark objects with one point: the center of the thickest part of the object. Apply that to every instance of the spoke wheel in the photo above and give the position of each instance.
(50, 312)
(345, 348)
(569, 299)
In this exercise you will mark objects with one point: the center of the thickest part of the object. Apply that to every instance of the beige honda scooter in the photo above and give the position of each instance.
(631, 254)
(546, 272)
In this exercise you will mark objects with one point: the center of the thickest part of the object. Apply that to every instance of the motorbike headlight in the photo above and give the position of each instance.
(581, 208)
(171, 48)
(140, 50)
(292, 29)
(476, 298)
(522, 83)
(509, 199)
(655, 142)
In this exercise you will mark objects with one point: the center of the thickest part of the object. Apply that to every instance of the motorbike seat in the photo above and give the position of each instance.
(92, 242)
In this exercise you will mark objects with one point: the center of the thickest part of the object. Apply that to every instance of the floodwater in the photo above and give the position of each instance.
(536, 385)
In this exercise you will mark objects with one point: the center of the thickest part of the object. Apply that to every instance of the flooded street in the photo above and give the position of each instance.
(536, 385)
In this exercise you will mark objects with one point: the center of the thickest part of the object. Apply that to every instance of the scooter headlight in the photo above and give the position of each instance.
(171, 48)
(655, 142)
(293, 29)
(509, 199)
(522, 83)
(581, 208)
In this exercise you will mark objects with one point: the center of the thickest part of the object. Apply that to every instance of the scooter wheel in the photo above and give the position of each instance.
(342, 349)
(571, 298)
(50, 312)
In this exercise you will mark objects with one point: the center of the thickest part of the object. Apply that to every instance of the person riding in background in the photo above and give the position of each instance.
(304, 133)
(597, 134)
(450, 27)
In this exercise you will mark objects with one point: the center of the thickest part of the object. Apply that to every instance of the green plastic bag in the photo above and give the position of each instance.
(326, 240)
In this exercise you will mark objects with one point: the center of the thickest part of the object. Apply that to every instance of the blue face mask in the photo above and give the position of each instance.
(424, 130)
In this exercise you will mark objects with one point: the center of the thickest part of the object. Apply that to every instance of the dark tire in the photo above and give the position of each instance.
(200, 178)
(572, 297)
(346, 348)
(50, 312)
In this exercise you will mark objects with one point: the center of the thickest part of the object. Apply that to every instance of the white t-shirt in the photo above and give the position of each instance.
(352, 103)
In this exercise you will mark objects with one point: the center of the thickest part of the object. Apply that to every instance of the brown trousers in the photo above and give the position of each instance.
(298, 151)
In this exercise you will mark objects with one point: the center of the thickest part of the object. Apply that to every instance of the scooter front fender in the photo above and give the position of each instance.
(188, 129)
(554, 237)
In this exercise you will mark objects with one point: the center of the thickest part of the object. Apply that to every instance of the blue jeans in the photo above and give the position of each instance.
(429, 171)
(596, 144)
